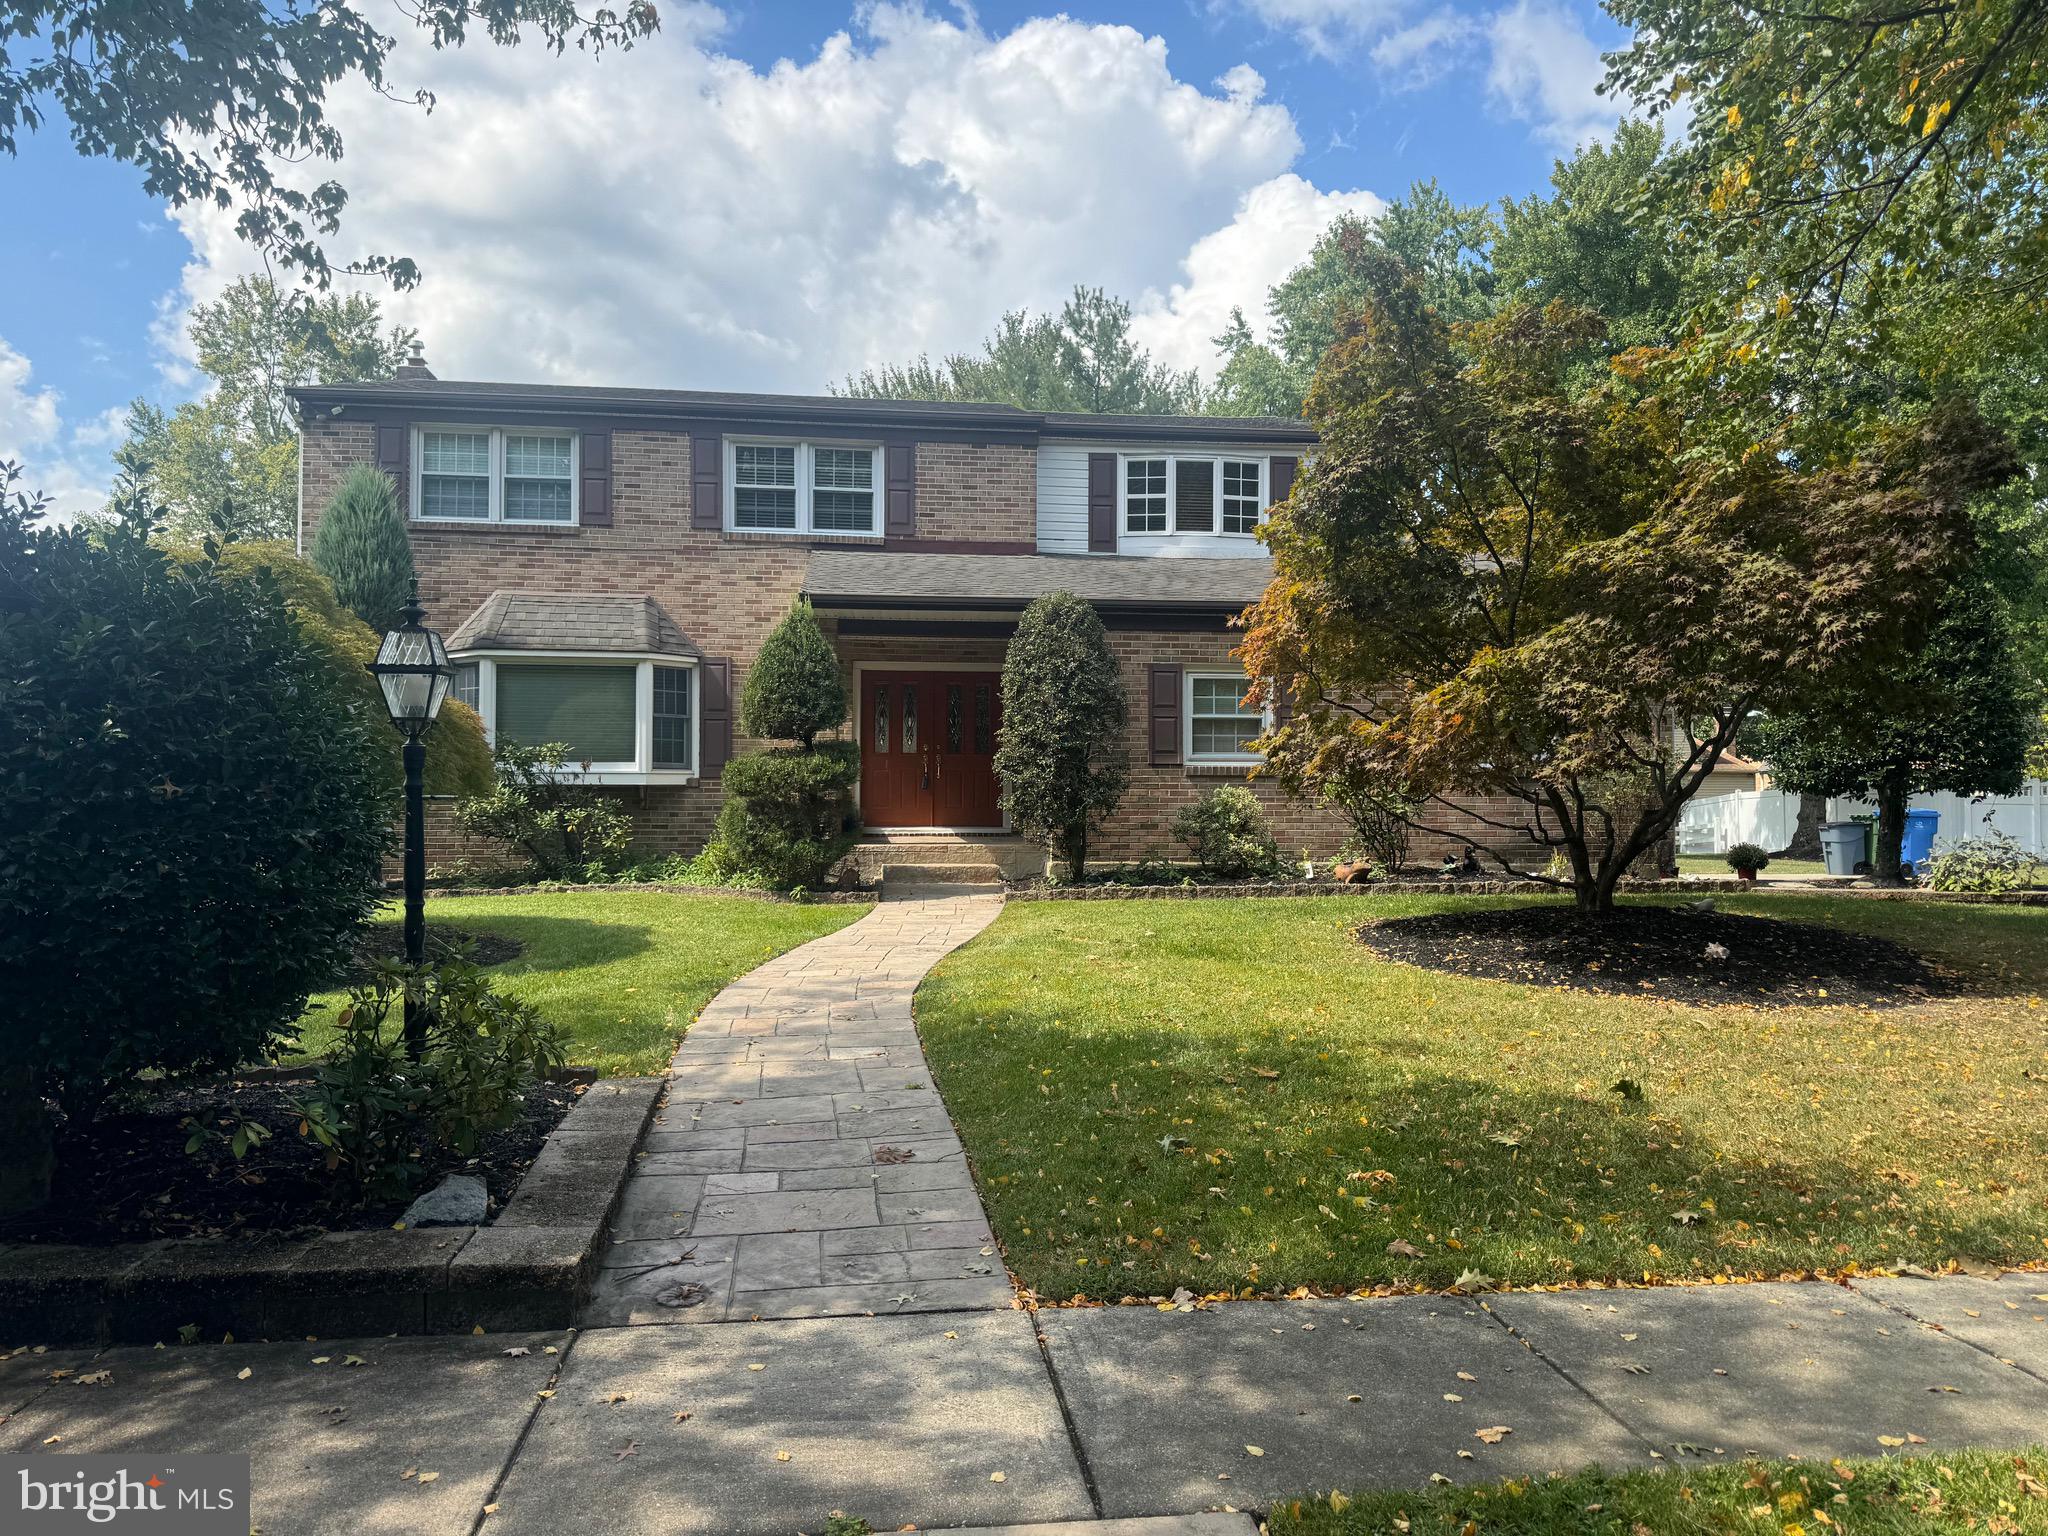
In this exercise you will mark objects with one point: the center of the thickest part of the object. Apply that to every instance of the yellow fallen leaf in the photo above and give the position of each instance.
(1452, 1397)
(322, 1359)
(1891, 1439)
(782, 1455)
(478, 1329)
(1253, 1450)
(428, 1477)
(244, 1374)
(995, 1477)
(757, 1367)
(1492, 1434)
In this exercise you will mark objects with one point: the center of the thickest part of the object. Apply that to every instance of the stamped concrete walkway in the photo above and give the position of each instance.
(803, 1165)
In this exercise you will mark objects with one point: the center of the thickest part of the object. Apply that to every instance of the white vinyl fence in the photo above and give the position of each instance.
(1766, 817)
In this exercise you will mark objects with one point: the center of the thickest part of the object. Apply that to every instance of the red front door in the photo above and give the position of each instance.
(928, 749)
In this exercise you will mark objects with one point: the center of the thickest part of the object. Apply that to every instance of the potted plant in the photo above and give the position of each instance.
(1746, 859)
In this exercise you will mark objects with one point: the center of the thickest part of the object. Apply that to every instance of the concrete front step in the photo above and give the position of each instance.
(901, 884)
(991, 858)
(1149, 1525)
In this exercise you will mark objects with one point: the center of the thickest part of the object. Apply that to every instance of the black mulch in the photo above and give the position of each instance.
(1658, 951)
(386, 941)
(127, 1176)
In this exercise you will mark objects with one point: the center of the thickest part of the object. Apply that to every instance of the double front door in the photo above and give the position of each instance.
(928, 749)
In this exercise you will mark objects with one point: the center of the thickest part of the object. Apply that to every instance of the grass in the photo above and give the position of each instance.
(1714, 864)
(1993, 1492)
(1233, 1094)
(623, 972)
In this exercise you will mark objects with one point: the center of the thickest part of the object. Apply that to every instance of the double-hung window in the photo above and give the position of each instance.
(1220, 725)
(803, 488)
(1173, 494)
(493, 475)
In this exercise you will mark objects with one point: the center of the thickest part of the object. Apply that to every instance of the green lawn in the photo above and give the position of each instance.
(1954, 1491)
(623, 972)
(1714, 864)
(1226, 1094)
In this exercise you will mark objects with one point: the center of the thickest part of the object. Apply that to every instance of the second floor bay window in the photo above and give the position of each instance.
(803, 488)
(1192, 494)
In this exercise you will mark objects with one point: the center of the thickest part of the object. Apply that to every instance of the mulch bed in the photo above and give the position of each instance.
(1657, 951)
(127, 1177)
(386, 941)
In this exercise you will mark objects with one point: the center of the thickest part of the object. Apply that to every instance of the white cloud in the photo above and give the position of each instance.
(67, 466)
(1327, 27)
(1424, 51)
(1234, 266)
(1546, 71)
(674, 216)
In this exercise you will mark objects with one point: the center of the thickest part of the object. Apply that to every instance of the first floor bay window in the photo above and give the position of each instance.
(624, 720)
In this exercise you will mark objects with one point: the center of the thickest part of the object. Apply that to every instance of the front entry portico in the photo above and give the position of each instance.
(928, 749)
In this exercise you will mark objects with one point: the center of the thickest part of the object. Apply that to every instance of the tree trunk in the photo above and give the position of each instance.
(28, 1155)
(1891, 828)
(1805, 844)
(1073, 847)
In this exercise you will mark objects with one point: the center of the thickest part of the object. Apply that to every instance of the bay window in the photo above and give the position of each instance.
(629, 719)
(797, 487)
(493, 475)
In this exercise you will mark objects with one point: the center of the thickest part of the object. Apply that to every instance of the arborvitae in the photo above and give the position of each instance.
(361, 547)
(1062, 761)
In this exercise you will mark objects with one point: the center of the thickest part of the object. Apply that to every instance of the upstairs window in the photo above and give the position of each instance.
(491, 475)
(1193, 495)
(802, 488)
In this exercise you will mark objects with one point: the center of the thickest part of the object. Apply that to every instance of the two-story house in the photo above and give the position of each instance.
(606, 562)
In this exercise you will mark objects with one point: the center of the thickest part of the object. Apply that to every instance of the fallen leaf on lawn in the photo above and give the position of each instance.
(244, 1374)
(1628, 1338)
(1452, 1397)
(1404, 1248)
(1466, 1376)
(1891, 1440)
(995, 1477)
(782, 1455)
(757, 1367)
(630, 1448)
(1686, 1218)
(1253, 1450)
(1493, 1434)
(516, 1351)
(2030, 1485)
(1438, 1477)
(1474, 1280)
(428, 1477)
(680, 1414)
(408, 1474)
(1913, 1439)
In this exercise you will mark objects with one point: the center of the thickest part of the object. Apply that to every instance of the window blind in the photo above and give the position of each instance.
(588, 709)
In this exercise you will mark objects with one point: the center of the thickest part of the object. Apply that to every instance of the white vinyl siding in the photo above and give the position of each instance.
(803, 488)
(1063, 500)
(491, 475)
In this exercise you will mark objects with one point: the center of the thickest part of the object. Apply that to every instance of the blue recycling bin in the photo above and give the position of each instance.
(1917, 846)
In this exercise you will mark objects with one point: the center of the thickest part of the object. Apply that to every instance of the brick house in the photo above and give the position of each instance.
(605, 563)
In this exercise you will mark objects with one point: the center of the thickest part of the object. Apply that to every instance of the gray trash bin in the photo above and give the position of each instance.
(1842, 844)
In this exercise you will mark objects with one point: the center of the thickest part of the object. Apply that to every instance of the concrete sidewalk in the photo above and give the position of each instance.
(1118, 1412)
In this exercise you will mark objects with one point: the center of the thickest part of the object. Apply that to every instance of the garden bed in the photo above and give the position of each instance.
(530, 1267)
(1674, 953)
(128, 1178)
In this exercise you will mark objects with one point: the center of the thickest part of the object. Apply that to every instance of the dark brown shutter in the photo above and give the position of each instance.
(707, 481)
(1102, 503)
(1280, 479)
(714, 729)
(394, 457)
(596, 510)
(1283, 702)
(900, 521)
(1165, 716)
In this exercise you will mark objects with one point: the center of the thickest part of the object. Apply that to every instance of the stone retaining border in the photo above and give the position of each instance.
(1691, 887)
(559, 888)
(530, 1268)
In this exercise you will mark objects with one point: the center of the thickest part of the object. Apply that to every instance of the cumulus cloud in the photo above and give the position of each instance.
(1546, 71)
(1234, 266)
(1327, 27)
(65, 464)
(1423, 51)
(676, 216)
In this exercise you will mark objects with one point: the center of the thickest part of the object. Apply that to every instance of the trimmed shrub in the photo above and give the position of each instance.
(193, 809)
(541, 806)
(362, 548)
(1226, 831)
(786, 813)
(1062, 760)
(1746, 858)
(794, 688)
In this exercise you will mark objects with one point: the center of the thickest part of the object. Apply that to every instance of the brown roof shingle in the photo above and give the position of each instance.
(868, 577)
(571, 621)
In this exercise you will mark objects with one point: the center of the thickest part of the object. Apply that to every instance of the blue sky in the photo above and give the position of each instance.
(770, 195)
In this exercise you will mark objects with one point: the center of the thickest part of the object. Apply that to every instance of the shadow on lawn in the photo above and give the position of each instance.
(1535, 1184)
(562, 943)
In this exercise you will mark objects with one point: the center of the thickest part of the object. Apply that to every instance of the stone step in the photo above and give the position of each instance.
(928, 880)
(1148, 1525)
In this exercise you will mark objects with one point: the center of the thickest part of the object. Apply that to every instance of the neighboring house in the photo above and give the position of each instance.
(606, 562)
(1733, 774)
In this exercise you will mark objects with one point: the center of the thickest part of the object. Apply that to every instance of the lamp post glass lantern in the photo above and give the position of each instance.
(412, 670)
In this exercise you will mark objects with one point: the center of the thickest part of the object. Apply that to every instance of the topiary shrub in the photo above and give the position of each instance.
(1226, 831)
(787, 811)
(1062, 760)
(193, 812)
(1746, 859)
(794, 688)
(785, 814)
(362, 548)
(541, 806)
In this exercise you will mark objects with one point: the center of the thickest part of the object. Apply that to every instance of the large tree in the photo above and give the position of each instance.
(1959, 719)
(1082, 359)
(1493, 580)
(216, 102)
(232, 455)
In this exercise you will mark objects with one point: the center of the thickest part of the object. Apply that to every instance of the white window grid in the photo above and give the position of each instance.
(1218, 721)
(1150, 491)
(512, 475)
(802, 487)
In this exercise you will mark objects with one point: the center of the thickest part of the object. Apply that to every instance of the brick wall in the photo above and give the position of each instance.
(977, 491)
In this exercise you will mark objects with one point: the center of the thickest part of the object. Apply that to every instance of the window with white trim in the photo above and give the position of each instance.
(624, 719)
(796, 487)
(1220, 724)
(493, 475)
(464, 690)
(674, 741)
(1193, 494)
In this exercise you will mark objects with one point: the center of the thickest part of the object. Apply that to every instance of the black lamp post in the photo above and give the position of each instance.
(412, 668)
